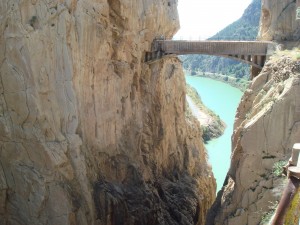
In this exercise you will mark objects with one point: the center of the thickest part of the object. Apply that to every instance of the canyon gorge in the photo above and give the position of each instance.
(90, 134)
(266, 125)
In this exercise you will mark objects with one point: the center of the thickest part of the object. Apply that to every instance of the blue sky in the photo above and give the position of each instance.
(203, 18)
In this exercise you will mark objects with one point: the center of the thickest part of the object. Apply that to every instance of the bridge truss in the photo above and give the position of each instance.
(254, 53)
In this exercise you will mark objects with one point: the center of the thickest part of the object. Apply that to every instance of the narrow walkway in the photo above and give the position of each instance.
(254, 53)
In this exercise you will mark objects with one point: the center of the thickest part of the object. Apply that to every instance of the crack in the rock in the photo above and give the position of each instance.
(265, 134)
(288, 5)
(27, 153)
(6, 105)
(3, 170)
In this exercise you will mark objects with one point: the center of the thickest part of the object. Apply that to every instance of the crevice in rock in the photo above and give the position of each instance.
(286, 7)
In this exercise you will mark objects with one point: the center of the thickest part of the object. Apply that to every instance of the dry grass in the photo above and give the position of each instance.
(293, 54)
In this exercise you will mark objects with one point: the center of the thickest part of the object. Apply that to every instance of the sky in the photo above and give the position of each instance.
(201, 19)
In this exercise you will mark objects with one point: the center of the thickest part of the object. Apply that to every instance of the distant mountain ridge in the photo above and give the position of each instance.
(245, 28)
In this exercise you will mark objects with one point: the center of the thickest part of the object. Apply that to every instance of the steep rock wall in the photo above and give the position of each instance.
(89, 134)
(278, 21)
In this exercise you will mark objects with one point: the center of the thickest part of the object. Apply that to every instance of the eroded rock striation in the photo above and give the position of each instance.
(89, 133)
(278, 21)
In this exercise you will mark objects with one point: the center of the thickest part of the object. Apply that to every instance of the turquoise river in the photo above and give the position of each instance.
(223, 99)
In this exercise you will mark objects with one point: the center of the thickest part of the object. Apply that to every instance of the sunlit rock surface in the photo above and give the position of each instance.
(89, 134)
(278, 21)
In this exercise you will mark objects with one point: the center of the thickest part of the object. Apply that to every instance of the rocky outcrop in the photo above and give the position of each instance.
(90, 134)
(278, 21)
(211, 124)
(266, 127)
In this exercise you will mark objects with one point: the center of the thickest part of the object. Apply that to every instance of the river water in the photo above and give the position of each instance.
(223, 99)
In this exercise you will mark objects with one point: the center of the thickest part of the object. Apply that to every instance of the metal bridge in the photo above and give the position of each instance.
(254, 53)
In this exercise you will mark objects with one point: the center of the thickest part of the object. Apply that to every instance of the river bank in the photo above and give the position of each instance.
(211, 124)
(223, 99)
(239, 83)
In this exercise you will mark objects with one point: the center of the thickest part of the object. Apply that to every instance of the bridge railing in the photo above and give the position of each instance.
(214, 47)
(253, 53)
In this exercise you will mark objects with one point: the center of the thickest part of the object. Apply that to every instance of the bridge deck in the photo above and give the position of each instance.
(258, 48)
(254, 53)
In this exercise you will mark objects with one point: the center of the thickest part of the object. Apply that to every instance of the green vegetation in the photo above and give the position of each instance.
(216, 127)
(246, 28)
(278, 172)
(292, 215)
(268, 215)
(193, 94)
(240, 83)
(294, 54)
(278, 168)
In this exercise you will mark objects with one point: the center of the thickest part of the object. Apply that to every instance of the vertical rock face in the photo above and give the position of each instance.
(89, 134)
(278, 21)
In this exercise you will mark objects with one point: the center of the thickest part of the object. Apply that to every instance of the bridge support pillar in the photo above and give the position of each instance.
(260, 61)
(152, 56)
(248, 58)
(254, 59)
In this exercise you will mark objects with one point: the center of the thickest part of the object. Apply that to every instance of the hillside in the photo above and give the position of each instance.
(246, 28)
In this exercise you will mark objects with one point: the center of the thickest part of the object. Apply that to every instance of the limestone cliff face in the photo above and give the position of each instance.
(90, 134)
(278, 21)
